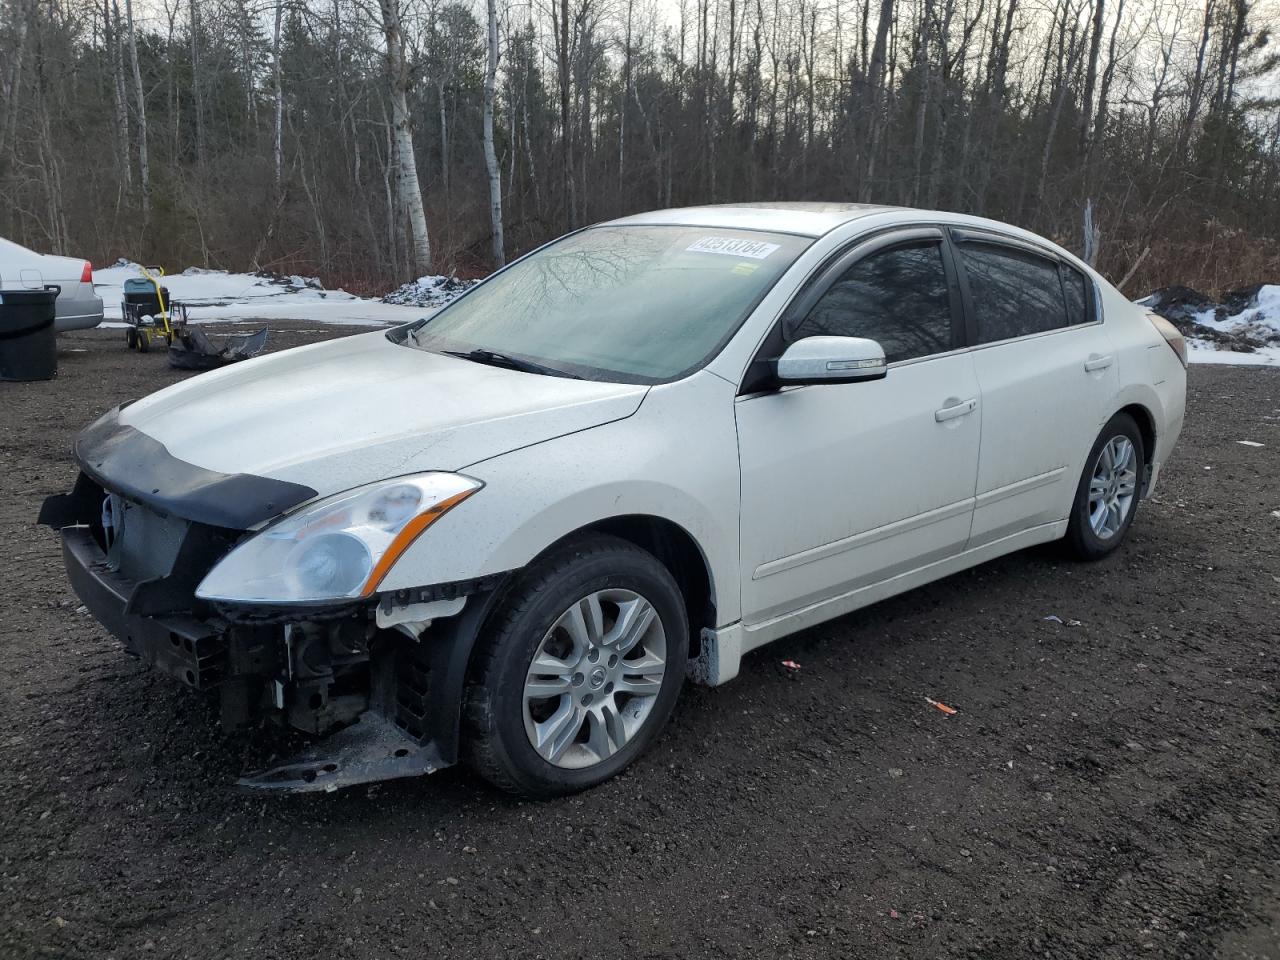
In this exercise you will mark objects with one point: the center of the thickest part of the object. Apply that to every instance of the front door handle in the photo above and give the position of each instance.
(956, 410)
(1096, 363)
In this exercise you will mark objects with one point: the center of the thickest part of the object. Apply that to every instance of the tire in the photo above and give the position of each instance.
(549, 612)
(1102, 515)
(131, 338)
(144, 341)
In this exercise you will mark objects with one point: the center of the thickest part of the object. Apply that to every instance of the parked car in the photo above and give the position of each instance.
(78, 307)
(509, 531)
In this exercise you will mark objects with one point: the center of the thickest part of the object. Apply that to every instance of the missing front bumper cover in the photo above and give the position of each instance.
(406, 691)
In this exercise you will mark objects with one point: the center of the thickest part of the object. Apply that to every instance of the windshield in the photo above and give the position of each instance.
(640, 304)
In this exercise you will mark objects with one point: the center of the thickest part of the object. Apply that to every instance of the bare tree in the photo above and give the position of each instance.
(278, 92)
(490, 155)
(23, 11)
(408, 191)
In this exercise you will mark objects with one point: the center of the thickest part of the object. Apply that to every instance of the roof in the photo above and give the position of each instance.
(807, 219)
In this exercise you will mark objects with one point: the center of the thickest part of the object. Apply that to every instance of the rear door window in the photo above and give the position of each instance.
(897, 297)
(1014, 292)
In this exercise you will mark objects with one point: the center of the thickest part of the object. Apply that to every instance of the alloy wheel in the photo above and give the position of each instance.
(1113, 487)
(594, 678)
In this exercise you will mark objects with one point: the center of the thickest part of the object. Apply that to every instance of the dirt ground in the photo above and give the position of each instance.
(1106, 789)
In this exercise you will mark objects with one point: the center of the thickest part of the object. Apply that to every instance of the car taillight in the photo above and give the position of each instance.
(1171, 336)
(86, 275)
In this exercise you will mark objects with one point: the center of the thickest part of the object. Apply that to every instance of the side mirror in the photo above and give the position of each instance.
(831, 360)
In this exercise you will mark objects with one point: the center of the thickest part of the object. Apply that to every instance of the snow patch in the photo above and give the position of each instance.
(218, 295)
(431, 291)
(1243, 329)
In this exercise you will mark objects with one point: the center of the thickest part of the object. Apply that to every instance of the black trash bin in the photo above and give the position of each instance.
(28, 346)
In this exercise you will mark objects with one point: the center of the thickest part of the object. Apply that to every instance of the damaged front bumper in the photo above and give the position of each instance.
(380, 680)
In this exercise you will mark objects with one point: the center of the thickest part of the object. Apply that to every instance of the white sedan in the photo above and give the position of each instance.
(77, 306)
(508, 532)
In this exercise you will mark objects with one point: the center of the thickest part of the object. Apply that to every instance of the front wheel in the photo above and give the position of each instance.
(580, 670)
(1109, 489)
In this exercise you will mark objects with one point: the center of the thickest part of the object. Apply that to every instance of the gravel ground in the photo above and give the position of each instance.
(1106, 789)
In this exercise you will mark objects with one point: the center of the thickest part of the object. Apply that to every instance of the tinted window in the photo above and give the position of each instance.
(1073, 283)
(1014, 293)
(897, 297)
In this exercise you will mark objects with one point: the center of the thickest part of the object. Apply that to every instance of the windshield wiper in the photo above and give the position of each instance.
(495, 359)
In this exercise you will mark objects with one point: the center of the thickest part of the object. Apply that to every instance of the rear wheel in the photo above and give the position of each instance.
(580, 670)
(1108, 493)
(144, 340)
(131, 338)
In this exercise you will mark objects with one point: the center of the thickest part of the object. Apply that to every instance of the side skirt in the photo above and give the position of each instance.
(723, 648)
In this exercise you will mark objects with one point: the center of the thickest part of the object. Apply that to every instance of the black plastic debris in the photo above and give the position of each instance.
(193, 349)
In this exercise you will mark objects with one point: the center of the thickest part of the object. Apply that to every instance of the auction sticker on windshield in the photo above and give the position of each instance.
(733, 247)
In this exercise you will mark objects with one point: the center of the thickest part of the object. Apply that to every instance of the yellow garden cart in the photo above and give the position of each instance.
(147, 310)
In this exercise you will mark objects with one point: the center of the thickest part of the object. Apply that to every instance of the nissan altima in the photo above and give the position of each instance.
(508, 532)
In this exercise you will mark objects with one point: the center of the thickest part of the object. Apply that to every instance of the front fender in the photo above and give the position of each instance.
(660, 462)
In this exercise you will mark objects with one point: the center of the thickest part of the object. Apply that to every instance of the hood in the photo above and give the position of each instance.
(338, 414)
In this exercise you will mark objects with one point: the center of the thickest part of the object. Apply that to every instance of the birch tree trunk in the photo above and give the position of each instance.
(490, 155)
(144, 167)
(111, 34)
(278, 189)
(408, 190)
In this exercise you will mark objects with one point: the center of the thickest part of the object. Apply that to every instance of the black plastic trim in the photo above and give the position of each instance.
(445, 654)
(126, 461)
(441, 591)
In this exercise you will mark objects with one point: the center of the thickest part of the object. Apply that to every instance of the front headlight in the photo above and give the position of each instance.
(338, 548)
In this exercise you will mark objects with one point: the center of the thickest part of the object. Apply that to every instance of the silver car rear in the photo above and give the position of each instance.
(78, 307)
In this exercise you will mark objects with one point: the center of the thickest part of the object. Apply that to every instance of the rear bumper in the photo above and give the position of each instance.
(191, 650)
(79, 314)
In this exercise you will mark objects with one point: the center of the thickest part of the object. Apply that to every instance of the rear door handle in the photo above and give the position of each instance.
(956, 410)
(1096, 362)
